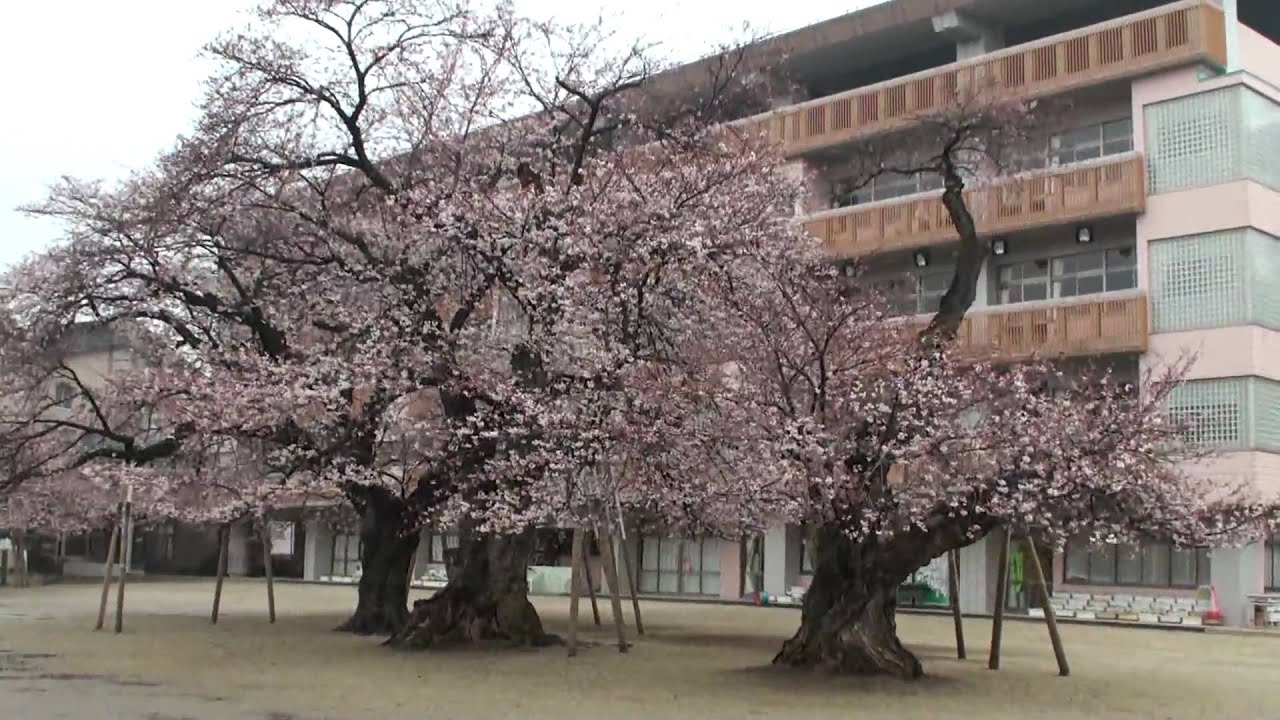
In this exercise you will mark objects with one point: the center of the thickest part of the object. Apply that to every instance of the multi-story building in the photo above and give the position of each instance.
(1150, 231)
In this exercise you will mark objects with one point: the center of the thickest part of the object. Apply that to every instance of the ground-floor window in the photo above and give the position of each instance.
(345, 559)
(1272, 549)
(685, 566)
(164, 533)
(440, 542)
(1150, 564)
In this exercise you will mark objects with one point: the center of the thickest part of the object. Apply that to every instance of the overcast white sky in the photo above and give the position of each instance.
(94, 89)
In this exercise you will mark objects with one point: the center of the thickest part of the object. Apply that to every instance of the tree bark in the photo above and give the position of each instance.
(848, 622)
(486, 598)
(389, 541)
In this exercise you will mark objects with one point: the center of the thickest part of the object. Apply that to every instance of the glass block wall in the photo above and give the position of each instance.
(1211, 138)
(1240, 413)
(1215, 280)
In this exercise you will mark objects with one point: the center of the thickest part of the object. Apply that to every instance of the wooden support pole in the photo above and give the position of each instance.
(633, 579)
(126, 525)
(266, 559)
(108, 568)
(1050, 620)
(224, 540)
(575, 594)
(615, 591)
(591, 588)
(953, 589)
(1002, 590)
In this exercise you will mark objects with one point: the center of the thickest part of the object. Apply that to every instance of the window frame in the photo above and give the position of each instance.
(1052, 279)
(347, 560)
(1055, 149)
(699, 571)
(1199, 557)
(64, 394)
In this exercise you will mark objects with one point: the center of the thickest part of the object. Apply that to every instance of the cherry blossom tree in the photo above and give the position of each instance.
(895, 447)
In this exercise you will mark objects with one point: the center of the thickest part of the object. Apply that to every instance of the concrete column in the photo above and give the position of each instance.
(1231, 13)
(1236, 573)
(977, 576)
(238, 550)
(781, 558)
(318, 551)
(730, 569)
(973, 38)
(775, 560)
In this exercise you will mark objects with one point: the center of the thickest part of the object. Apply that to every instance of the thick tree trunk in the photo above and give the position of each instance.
(389, 541)
(486, 599)
(848, 622)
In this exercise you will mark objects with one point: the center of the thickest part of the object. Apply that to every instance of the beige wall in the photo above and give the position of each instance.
(1219, 352)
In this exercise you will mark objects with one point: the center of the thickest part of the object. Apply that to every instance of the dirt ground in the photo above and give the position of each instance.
(697, 661)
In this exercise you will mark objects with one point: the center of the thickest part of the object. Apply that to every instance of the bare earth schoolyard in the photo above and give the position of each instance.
(698, 661)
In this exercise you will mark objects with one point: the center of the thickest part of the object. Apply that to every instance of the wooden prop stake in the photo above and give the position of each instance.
(953, 588)
(575, 594)
(1002, 589)
(591, 586)
(633, 579)
(224, 540)
(108, 567)
(1050, 620)
(615, 592)
(126, 524)
(266, 559)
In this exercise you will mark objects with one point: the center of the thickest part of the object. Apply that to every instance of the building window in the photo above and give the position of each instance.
(1272, 550)
(1086, 273)
(914, 294)
(164, 541)
(1147, 564)
(63, 394)
(684, 566)
(1091, 142)
(439, 544)
(806, 556)
(345, 556)
(884, 187)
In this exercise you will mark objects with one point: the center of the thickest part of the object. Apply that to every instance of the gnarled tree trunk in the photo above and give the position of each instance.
(848, 622)
(486, 598)
(389, 541)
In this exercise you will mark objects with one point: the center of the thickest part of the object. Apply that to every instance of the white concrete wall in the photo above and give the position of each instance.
(1236, 573)
(978, 564)
(238, 550)
(316, 550)
(781, 558)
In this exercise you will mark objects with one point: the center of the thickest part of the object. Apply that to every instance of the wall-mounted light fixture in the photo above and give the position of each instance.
(921, 258)
(999, 246)
(1084, 234)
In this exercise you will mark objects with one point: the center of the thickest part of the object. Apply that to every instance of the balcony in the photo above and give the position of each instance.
(1075, 193)
(1178, 34)
(1082, 326)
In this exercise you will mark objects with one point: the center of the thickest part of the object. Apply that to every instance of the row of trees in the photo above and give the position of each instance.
(456, 266)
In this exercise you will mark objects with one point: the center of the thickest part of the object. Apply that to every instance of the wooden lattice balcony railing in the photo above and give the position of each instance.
(1172, 35)
(1082, 326)
(1073, 193)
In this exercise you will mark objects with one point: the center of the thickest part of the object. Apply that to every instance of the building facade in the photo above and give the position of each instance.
(1149, 231)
